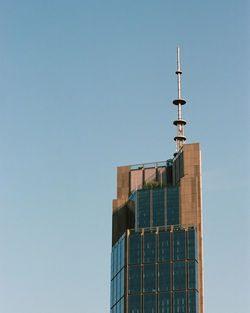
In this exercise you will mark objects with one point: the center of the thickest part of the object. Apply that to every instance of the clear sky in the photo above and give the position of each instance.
(86, 86)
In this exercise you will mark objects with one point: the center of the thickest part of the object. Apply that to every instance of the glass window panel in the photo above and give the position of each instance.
(135, 249)
(122, 282)
(112, 264)
(122, 305)
(158, 201)
(118, 256)
(134, 304)
(164, 247)
(118, 307)
(192, 275)
(114, 290)
(134, 279)
(179, 275)
(149, 303)
(149, 278)
(114, 309)
(192, 245)
(193, 301)
(180, 302)
(173, 208)
(122, 252)
(115, 259)
(118, 286)
(112, 293)
(143, 208)
(179, 245)
(165, 303)
(164, 277)
(149, 248)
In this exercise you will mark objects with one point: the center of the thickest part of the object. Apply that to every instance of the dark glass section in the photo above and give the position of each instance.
(179, 275)
(173, 212)
(149, 303)
(122, 251)
(158, 197)
(115, 260)
(149, 278)
(164, 277)
(118, 256)
(180, 302)
(134, 279)
(179, 245)
(112, 264)
(122, 282)
(135, 249)
(134, 304)
(165, 303)
(143, 208)
(192, 275)
(193, 301)
(192, 244)
(164, 247)
(149, 254)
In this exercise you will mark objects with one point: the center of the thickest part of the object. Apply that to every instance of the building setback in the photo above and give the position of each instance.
(157, 258)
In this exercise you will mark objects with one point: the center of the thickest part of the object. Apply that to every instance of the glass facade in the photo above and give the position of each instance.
(154, 265)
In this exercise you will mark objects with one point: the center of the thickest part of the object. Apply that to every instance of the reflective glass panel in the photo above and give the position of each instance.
(149, 278)
(134, 304)
(180, 302)
(112, 270)
(179, 275)
(118, 307)
(173, 212)
(114, 290)
(143, 208)
(122, 252)
(135, 249)
(164, 277)
(179, 239)
(193, 301)
(165, 303)
(192, 275)
(134, 279)
(158, 200)
(115, 259)
(149, 303)
(118, 256)
(118, 286)
(164, 247)
(122, 305)
(149, 248)
(112, 293)
(122, 282)
(192, 245)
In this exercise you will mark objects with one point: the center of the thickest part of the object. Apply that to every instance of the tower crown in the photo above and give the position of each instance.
(180, 138)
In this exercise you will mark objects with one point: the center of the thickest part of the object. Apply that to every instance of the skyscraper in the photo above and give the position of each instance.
(157, 259)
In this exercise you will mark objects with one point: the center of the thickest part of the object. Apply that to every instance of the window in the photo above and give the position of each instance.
(149, 278)
(192, 244)
(149, 248)
(158, 197)
(164, 247)
(143, 208)
(165, 303)
(164, 277)
(134, 279)
(180, 302)
(179, 245)
(134, 304)
(173, 214)
(149, 304)
(135, 249)
(193, 301)
(179, 275)
(192, 275)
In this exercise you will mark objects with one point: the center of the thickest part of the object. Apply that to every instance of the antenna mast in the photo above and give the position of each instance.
(180, 138)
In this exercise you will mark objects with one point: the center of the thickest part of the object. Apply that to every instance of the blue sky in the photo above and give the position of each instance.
(86, 86)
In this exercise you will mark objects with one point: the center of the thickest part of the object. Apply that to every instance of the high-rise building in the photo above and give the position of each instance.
(157, 259)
